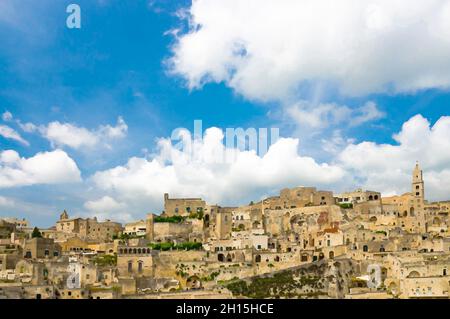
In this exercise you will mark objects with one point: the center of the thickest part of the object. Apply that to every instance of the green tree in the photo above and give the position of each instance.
(36, 233)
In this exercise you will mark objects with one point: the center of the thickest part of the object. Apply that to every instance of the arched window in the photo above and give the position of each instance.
(365, 248)
(258, 258)
(413, 274)
(140, 266)
(130, 266)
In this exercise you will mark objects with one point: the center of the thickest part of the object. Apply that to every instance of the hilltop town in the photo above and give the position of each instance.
(302, 243)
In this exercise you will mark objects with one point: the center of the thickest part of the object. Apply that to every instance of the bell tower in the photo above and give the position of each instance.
(418, 187)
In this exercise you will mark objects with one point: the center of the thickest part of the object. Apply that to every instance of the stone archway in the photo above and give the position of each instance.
(413, 274)
(221, 257)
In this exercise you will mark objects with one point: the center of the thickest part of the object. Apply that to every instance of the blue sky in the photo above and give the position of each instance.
(118, 67)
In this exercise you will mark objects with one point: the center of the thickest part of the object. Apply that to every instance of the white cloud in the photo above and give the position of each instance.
(65, 134)
(266, 50)
(7, 116)
(108, 208)
(388, 167)
(6, 202)
(54, 167)
(330, 114)
(76, 137)
(142, 182)
(9, 133)
(366, 113)
(103, 204)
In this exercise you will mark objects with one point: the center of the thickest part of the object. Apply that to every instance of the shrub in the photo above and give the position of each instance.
(171, 219)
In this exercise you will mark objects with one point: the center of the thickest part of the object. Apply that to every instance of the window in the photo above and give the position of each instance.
(140, 266)
(130, 266)
(46, 253)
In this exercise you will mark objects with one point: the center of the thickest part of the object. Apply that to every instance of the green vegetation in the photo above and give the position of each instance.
(212, 276)
(172, 246)
(381, 232)
(97, 289)
(240, 228)
(171, 219)
(198, 215)
(106, 260)
(280, 284)
(346, 205)
(36, 233)
(126, 236)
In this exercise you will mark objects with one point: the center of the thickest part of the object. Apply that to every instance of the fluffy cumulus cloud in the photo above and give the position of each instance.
(214, 172)
(266, 50)
(73, 136)
(107, 207)
(388, 167)
(105, 203)
(229, 176)
(66, 134)
(54, 167)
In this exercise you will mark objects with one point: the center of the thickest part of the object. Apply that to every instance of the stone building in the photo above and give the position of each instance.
(41, 248)
(358, 196)
(183, 206)
(138, 228)
(89, 229)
